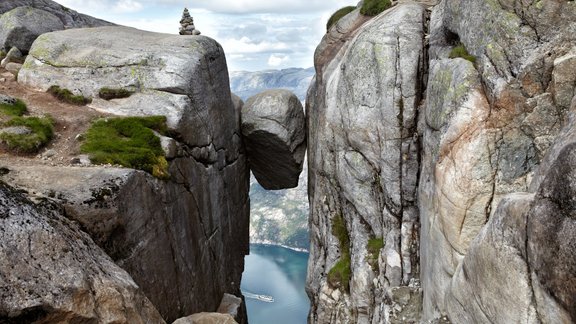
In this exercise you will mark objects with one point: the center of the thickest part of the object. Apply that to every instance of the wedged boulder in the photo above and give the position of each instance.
(52, 272)
(273, 129)
(21, 26)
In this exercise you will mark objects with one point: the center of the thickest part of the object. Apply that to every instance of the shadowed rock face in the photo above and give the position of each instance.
(21, 26)
(182, 240)
(68, 17)
(480, 173)
(51, 271)
(273, 128)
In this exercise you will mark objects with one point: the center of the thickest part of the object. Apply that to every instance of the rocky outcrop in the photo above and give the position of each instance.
(51, 271)
(363, 163)
(21, 26)
(68, 17)
(206, 318)
(479, 172)
(273, 128)
(488, 127)
(183, 240)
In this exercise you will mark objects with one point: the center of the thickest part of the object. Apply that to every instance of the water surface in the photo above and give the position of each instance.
(281, 273)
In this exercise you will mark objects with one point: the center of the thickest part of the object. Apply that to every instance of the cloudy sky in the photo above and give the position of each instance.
(255, 34)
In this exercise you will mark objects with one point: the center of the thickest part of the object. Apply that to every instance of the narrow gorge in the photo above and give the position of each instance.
(441, 169)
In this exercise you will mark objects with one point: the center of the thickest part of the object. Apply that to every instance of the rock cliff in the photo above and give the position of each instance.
(425, 166)
(182, 240)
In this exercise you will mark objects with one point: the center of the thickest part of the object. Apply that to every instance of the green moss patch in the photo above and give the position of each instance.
(374, 7)
(67, 96)
(129, 142)
(338, 15)
(110, 93)
(460, 51)
(41, 132)
(339, 275)
(373, 247)
(15, 110)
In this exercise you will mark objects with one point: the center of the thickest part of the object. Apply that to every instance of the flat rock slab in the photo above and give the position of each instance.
(273, 128)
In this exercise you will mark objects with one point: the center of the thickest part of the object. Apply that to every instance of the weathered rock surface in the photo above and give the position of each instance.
(485, 135)
(273, 129)
(21, 26)
(182, 240)
(69, 17)
(52, 272)
(481, 172)
(363, 161)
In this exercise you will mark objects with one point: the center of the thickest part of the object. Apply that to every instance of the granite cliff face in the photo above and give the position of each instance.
(454, 165)
(181, 240)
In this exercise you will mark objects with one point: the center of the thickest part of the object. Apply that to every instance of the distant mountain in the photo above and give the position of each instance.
(246, 84)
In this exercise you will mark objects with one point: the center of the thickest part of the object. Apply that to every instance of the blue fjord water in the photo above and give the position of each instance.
(278, 272)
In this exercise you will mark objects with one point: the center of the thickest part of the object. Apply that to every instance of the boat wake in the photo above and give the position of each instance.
(264, 298)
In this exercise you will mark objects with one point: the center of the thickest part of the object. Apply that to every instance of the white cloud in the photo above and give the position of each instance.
(277, 60)
(127, 6)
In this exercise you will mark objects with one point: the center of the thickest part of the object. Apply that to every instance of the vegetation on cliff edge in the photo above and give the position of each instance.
(41, 131)
(374, 7)
(460, 51)
(113, 93)
(130, 142)
(373, 247)
(15, 109)
(338, 15)
(339, 275)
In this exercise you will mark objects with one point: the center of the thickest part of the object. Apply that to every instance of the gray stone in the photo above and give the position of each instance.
(21, 26)
(51, 271)
(69, 17)
(7, 99)
(16, 130)
(363, 160)
(14, 55)
(206, 318)
(273, 129)
(13, 68)
(230, 304)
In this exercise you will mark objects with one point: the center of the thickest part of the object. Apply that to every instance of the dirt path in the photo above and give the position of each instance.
(69, 122)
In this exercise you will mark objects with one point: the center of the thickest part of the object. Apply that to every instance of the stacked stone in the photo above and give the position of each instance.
(187, 24)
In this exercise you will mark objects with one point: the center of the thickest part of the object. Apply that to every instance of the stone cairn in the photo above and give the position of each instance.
(187, 24)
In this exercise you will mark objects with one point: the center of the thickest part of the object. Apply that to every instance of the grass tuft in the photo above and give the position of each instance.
(130, 142)
(460, 51)
(374, 246)
(67, 96)
(374, 7)
(15, 110)
(42, 131)
(339, 275)
(338, 15)
(109, 93)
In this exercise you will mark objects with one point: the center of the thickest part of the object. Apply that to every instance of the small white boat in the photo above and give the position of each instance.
(264, 298)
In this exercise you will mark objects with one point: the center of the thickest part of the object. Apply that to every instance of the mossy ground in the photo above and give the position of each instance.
(65, 95)
(338, 15)
(460, 51)
(339, 275)
(111, 93)
(374, 7)
(14, 110)
(129, 142)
